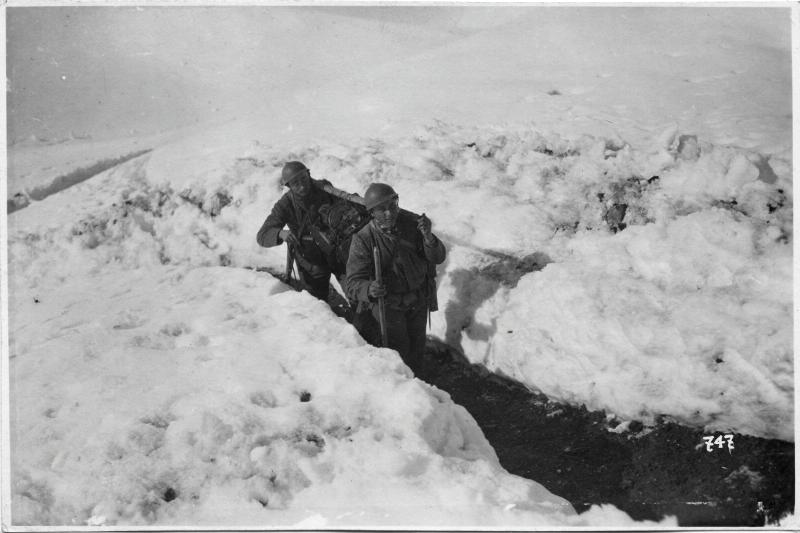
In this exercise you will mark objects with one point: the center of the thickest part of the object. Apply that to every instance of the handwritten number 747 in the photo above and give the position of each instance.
(718, 442)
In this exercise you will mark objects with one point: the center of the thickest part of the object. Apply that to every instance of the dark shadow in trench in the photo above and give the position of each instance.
(649, 473)
(476, 285)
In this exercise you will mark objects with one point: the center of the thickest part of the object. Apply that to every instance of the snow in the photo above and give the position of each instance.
(147, 355)
(194, 379)
(706, 340)
(38, 168)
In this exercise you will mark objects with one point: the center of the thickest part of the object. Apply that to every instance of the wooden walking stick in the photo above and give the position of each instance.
(381, 304)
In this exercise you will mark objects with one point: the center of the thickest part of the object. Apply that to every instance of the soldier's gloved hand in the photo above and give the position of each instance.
(288, 236)
(424, 226)
(376, 290)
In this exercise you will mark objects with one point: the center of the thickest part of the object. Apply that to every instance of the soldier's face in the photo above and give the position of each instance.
(386, 214)
(301, 185)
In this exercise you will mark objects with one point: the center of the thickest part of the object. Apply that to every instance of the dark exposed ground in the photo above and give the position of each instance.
(647, 472)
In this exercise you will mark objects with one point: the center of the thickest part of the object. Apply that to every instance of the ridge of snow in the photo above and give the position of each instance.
(218, 396)
(699, 273)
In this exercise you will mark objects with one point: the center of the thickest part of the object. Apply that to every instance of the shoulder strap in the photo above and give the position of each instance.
(386, 262)
(302, 221)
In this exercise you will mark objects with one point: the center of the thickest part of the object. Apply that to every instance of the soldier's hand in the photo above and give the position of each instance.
(376, 290)
(424, 226)
(288, 237)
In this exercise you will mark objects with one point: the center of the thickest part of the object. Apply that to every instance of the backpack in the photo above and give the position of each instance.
(340, 220)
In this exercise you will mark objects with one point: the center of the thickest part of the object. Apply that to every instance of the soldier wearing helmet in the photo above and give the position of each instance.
(299, 210)
(408, 254)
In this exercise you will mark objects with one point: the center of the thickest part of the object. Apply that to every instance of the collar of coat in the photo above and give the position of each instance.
(315, 196)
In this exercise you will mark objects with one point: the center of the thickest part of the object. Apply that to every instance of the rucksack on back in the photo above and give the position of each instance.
(340, 219)
(343, 218)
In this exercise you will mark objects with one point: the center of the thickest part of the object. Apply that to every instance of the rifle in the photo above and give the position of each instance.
(287, 274)
(376, 256)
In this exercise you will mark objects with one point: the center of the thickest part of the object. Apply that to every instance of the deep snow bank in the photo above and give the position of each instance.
(668, 288)
(216, 396)
(688, 319)
(684, 311)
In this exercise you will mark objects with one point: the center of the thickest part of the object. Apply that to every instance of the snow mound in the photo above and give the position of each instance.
(217, 396)
(667, 264)
(685, 319)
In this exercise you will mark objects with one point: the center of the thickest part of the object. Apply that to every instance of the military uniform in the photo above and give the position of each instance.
(408, 273)
(301, 216)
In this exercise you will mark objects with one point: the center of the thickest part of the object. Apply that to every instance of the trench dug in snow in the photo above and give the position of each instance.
(648, 472)
(64, 181)
(583, 456)
(590, 458)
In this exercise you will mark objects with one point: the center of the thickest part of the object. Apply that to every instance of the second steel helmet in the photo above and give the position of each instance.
(377, 194)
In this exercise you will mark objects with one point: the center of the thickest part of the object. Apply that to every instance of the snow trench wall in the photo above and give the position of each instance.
(645, 281)
(214, 396)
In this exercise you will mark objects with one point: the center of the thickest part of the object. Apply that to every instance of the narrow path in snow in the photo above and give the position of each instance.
(646, 472)
(73, 177)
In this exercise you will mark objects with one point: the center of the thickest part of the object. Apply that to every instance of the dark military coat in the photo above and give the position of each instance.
(408, 264)
(300, 216)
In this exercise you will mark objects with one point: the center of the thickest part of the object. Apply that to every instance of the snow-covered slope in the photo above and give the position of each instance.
(89, 85)
(723, 74)
(688, 305)
(212, 396)
(150, 386)
(685, 312)
(615, 191)
(294, 74)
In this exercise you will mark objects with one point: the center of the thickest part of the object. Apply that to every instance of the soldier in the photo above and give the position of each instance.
(408, 253)
(299, 209)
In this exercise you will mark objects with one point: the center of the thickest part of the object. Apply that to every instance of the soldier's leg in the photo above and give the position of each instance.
(367, 326)
(397, 334)
(318, 286)
(416, 323)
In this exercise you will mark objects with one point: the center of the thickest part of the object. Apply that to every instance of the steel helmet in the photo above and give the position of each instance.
(377, 194)
(291, 170)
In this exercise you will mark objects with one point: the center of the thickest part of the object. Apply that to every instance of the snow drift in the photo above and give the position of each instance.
(217, 396)
(596, 253)
(222, 397)
(664, 271)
